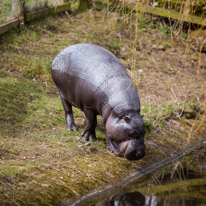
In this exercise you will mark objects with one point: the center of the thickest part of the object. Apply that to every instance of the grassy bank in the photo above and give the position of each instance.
(41, 163)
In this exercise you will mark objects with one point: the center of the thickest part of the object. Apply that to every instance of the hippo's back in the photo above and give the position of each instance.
(91, 76)
(90, 62)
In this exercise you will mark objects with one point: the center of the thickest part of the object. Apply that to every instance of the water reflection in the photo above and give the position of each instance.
(190, 192)
(127, 199)
(184, 193)
(182, 183)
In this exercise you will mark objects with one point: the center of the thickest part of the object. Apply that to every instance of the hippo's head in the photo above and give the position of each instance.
(125, 135)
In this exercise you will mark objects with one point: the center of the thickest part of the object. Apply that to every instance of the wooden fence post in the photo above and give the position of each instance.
(18, 9)
(83, 5)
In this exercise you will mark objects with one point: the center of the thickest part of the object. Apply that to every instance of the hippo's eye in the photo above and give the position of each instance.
(127, 119)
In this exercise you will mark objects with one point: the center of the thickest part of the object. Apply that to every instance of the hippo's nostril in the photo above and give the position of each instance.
(141, 154)
(135, 155)
(138, 155)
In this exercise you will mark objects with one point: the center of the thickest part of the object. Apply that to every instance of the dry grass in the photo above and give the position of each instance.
(174, 72)
(37, 155)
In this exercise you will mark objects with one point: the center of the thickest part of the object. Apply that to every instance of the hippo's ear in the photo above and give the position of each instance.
(126, 119)
(142, 116)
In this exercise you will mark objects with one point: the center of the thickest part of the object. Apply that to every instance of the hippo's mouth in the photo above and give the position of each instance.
(128, 149)
(123, 147)
(132, 150)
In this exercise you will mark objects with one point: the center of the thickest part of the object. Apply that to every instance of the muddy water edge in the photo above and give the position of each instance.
(178, 180)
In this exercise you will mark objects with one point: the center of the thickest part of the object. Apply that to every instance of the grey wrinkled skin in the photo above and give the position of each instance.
(91, 78)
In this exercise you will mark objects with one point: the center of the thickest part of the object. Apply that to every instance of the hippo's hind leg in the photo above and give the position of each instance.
(70, 124)
(91, 120)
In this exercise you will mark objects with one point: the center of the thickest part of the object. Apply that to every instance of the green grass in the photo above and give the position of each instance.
(41, 163)
(40, 156)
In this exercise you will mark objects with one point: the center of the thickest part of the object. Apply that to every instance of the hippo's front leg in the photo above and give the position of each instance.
(91, 120)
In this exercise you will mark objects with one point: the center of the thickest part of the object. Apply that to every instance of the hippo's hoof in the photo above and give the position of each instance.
(89, 136)
(73, 127)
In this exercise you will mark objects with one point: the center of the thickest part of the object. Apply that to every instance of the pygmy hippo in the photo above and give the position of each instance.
(91, 78)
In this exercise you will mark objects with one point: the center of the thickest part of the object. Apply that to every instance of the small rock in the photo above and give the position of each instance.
(87, 144)
(22, 184)
(154, 4)
(45, 185)
(78, 138)
(161, 47)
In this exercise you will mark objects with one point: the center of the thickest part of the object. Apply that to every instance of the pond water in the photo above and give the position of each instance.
(188, 192)
(181, 184)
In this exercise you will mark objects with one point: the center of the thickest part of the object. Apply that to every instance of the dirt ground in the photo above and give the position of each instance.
(41, 163)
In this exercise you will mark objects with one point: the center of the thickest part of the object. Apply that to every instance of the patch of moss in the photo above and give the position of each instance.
(37, 154)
